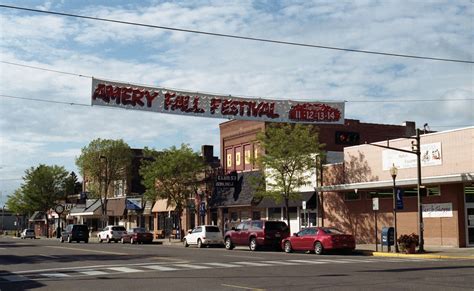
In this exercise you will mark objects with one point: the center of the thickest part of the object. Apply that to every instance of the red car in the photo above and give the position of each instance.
(256, 234)
(319, 240)
(137, 235)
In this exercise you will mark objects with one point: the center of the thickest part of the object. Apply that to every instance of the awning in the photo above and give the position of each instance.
(161, 206)
(133, 204)
(116, 206)
(241, 195)
(308, 197)
(91, 208)
(458, 178)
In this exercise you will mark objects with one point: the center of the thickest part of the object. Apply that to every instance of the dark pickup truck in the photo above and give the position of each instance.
(257, 233)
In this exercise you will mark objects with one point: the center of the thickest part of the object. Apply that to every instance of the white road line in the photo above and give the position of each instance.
(87, 250)
(308, 261)
(284, 263)
(55, 275)
(124, 270)
(189, 266)
(256, 264)
(160, 268)
(14, 278)
(223, 265)
(93, 273)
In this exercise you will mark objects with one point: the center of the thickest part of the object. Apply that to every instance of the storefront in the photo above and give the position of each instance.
(447, 193)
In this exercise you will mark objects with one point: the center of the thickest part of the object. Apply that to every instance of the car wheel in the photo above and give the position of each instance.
(185, 243)
(86, 241)
(69, 240)
(318, 248)
(107, 239)
(288, 248)
(100, 239)
(228, 244)
(253, 244)
(61, 239)
(132, 241)
(122, 241)
(199, 243)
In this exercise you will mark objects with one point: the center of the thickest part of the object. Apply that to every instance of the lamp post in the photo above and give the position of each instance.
(394, 172)
(105, 218)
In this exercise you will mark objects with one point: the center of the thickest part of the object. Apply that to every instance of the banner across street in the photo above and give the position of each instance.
(162, 100)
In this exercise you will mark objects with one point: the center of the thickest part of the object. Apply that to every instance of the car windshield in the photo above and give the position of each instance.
(212, 229)
(118, 228)
(139, 230)
(80, 227)
(332, 231)
(275, 225)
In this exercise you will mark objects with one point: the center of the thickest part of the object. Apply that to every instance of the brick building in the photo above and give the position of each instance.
(447, 171)
(238, 146)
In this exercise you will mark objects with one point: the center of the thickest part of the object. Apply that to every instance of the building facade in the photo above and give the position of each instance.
(447, 176)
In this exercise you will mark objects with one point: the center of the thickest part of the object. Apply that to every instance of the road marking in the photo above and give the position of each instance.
(160, 268)
(242, 287)
(285, 263)
(14, 278)
(256, 264)
(55, 275)
(87, 250)
(93, 273)
(223, 265)
(334, 261)
(124, 270)
(308, 261)
(192, 266)
(250, 257)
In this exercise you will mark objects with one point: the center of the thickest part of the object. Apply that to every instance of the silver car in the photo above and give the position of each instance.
(27, 233)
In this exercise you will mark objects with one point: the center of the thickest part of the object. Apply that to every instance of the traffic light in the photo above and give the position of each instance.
(347, 138)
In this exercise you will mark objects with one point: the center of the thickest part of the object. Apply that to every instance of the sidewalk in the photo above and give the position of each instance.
(431, 252)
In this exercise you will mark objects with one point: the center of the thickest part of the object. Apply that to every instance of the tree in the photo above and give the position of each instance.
(290, 152)
(43, 187)
(16, 203)
(102, 162)
(172, 175)
(71, 185)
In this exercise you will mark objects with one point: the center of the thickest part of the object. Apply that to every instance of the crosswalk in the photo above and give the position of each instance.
(173, 267)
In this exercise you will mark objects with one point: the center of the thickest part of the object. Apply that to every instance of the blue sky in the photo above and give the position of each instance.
(34, 132)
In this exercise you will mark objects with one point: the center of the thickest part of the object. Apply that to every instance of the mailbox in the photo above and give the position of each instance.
(388, 236)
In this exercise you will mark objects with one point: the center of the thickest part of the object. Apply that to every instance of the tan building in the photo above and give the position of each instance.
(447, 174)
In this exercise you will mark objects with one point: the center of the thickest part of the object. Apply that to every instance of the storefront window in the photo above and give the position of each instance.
(469, 191)
(274, 213)
(352, 195)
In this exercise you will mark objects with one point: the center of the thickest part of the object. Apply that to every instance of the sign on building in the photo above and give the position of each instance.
(430, 156)
(162, 100)
(438, 210)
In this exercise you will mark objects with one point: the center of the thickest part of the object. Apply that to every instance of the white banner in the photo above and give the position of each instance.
(430, 156)
(162, 100)
(438, 210)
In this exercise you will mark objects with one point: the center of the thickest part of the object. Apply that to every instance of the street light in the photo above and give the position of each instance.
(394, 172)
(104, 204)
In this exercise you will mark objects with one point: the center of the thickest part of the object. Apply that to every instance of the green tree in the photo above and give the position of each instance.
(71, 185)
(102, 162)
(43, 187)
(16, 203)
(290, 152)
(171, 174)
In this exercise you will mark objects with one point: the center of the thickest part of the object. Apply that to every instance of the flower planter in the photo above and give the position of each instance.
(408, 249)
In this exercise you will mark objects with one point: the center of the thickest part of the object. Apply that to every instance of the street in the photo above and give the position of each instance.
(45, 264)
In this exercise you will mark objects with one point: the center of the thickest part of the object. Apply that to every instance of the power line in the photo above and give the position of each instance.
(237, 36)
(44, 69)
(44, 100)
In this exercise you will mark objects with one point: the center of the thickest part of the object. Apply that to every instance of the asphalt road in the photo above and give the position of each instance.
(50, 265)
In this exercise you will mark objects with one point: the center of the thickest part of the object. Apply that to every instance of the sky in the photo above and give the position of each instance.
(376, 88)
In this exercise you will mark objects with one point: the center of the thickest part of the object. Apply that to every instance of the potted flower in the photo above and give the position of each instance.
(408, 243)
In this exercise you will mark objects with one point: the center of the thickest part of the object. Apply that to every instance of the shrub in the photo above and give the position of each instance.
(408, 239)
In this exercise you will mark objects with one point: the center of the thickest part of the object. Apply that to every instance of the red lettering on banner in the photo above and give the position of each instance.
(182, 102)
(215, 102)
(124, 95)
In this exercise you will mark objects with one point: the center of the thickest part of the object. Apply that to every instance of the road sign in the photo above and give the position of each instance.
(375, 203)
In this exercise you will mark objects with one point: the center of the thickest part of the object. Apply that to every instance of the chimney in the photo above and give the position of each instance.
(207, 152)
(410, 128)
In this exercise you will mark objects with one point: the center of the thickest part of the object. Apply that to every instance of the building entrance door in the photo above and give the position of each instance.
(469, 194)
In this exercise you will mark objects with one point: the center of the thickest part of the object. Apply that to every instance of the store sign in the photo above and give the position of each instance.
(226, 181)
(430, 156)
(162, 100)
(438, 210)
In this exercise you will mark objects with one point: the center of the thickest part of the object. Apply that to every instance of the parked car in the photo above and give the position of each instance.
(27, 233)
(75, 232)
(204, 235)
(319, 240)
(111, 233)
(137, 235)
(257, 233)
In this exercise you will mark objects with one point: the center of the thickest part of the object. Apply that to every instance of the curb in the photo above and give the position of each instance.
(398, 255)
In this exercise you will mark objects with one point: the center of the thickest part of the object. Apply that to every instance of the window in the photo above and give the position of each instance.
(229, 160)
(274, 213)
(256, 215)
(433, 191)
(244, 215)
(275, 225)
(257, 225)
(247, 157)
(352, 195)
(237, 159)
(469, 191)
(240, 226)
(234, 216)
(119, 188)
(212, 229)
(197, 230)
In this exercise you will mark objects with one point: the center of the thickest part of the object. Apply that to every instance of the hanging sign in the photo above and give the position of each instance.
(162, 100)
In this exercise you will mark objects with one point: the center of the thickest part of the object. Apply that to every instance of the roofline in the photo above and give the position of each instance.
(448, 179)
